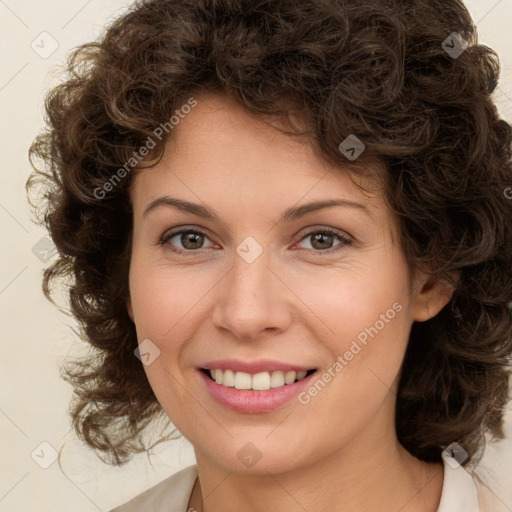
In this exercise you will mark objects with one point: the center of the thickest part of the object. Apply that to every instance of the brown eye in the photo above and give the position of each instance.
(323, 241)
(184, 241)
(191, 240)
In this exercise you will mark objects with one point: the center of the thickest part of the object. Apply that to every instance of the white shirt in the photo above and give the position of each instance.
(461, 493)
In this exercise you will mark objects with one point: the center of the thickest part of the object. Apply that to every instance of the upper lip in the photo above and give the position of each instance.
(252, 367)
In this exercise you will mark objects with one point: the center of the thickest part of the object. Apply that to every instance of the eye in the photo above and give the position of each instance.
(190, 239)
(322, 240)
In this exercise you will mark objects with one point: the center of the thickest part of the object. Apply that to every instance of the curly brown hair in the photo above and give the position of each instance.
(378, 69)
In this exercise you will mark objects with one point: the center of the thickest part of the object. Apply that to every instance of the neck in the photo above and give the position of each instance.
(374, 477)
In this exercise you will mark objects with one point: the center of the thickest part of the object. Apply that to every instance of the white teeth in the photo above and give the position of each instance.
(289, 377)
(228, 378)
(262, 381)
(242, 380)
(277, 379)
(217, 375)
(301, 375)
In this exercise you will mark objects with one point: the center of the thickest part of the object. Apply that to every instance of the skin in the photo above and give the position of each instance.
(339, 452)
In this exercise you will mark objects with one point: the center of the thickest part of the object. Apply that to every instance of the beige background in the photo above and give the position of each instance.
(35, 336)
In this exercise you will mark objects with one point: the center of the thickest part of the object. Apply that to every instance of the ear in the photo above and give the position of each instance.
(130, 309)
(431, 294)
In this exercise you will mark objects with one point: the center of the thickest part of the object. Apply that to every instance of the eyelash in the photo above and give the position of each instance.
(343, 239)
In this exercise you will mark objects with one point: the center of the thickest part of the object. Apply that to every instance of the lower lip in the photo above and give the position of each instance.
(254, 402)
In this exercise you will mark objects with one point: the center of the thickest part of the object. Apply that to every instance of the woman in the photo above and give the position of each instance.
(287, 229)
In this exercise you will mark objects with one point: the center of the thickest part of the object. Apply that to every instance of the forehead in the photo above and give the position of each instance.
(220, 149)
(222, 127)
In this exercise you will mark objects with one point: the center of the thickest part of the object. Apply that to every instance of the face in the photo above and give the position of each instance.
(324, 289)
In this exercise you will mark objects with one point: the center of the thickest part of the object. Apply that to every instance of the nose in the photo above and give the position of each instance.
(252, 299)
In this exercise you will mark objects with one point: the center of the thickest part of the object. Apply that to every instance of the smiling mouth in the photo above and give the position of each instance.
(262, 381)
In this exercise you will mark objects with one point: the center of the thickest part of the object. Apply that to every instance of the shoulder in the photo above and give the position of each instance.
(471, 490)
(460, 491)
(170, 495)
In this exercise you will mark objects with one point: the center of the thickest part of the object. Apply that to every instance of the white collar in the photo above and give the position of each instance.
(460, 492)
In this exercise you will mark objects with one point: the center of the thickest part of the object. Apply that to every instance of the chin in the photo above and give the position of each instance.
(255, 455)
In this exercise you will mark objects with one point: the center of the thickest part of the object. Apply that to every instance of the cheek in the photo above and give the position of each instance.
(359, 306)
(162, 298)
(163, 302)
(364, 318)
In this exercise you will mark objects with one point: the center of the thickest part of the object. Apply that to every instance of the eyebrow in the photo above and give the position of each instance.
(295, 212)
